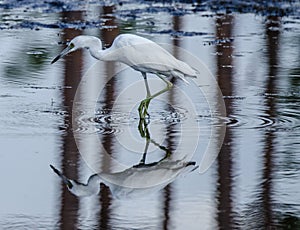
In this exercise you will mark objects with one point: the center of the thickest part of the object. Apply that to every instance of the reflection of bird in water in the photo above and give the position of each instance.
(135, 181)
(139, 53)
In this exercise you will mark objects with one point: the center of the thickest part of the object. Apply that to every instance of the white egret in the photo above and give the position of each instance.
(139, 53)
(132, 182)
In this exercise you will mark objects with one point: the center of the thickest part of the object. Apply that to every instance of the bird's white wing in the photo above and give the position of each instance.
(146, 56)
(148, 176)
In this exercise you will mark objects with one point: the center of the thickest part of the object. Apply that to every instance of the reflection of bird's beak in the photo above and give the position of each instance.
(63, 53)
(65, 180)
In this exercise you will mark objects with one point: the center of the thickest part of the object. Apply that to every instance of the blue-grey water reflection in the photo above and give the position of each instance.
(254, 57)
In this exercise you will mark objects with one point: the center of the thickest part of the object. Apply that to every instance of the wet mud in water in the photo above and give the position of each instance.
(203, 160)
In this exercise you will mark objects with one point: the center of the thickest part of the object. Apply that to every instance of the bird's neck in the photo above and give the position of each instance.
(89, 189)
(100, 54)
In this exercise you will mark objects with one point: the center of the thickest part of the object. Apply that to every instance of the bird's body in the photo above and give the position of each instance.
(132, 182)
(139, 53)
(146, 56)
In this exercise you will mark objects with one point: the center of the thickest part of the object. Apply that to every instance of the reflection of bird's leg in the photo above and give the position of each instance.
(144, 132)
(167, 151)
(145, 103)
(143, 129)
(143, 160)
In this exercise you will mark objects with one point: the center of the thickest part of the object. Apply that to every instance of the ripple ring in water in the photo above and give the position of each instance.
(206, 84)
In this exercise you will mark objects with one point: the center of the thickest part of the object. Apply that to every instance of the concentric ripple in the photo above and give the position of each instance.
(249, 122)
(287, 120)
(102, 123)
(107, 122)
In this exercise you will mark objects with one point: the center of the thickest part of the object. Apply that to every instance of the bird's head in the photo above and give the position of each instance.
(79, 42)
(65, 180)
(77, 188)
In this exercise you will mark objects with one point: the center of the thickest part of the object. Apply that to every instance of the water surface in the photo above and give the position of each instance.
(254, 58)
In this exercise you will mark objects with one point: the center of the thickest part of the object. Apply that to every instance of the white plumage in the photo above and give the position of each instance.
(139, 53)
(133, 182)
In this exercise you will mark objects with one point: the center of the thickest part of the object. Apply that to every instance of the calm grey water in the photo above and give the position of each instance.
(74, 113)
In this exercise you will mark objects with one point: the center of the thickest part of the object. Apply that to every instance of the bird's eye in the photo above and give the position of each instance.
(69, 185)
(71, 45)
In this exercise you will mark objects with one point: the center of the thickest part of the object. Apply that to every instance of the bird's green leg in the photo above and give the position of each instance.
(144, 132)
(169, 86)
(146, 84)
(145, 103)
(143, 108)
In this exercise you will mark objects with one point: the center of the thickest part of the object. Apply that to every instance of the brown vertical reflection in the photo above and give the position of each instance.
(224, 25)
(166, 205)
(272, 39)
(261, 209)
(70, 155)
(171, 137)
(108, 36)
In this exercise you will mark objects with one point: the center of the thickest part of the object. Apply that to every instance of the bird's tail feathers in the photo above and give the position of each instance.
(188, 168)
(180, 75)
(191, 165)
(187, 70)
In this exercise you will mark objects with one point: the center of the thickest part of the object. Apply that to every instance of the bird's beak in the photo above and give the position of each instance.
(63, 53)
(65, 180)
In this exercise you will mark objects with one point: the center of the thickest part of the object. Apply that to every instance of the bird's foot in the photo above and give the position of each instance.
(143, 109)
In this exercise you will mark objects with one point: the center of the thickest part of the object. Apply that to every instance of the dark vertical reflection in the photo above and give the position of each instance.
(166, 204)
(177, 27)
(260, 210)
(171, 137)
(272, 39)
(108, 36)
(70, 155)
(224, 26)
